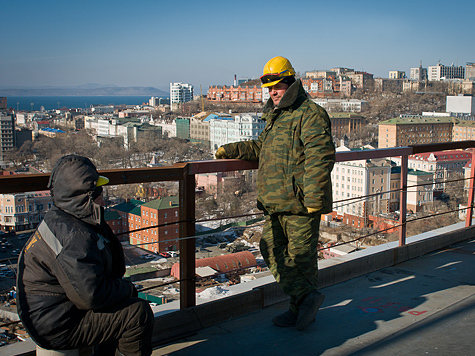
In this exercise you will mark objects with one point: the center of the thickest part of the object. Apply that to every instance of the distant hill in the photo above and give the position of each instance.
(84, 90)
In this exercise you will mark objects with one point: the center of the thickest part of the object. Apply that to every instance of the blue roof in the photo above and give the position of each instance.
(49, 129)
(214, 116)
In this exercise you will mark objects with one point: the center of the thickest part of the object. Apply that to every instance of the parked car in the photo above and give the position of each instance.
(147, 256)
(173, 253)
(164, 254)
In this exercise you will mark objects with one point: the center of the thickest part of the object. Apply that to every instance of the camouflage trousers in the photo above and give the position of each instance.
(289, 247)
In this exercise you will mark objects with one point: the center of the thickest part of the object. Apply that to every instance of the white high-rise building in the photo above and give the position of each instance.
(180, 93)
(7, 133)
(363, 178)
(441, 72)
(242, 127)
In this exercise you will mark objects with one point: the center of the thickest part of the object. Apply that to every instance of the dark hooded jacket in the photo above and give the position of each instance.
(73, 262)
(296, 155)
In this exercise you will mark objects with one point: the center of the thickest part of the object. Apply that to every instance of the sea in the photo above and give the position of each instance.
(37, 103)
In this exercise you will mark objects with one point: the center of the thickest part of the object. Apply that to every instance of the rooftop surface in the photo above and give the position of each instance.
(424, 306)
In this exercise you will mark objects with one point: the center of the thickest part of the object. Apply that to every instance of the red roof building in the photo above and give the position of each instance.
(224, 263)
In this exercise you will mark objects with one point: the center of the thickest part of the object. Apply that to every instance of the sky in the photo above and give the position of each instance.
(204, 43)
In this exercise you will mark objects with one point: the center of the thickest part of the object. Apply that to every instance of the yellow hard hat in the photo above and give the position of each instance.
(275, 70)
(102, 181)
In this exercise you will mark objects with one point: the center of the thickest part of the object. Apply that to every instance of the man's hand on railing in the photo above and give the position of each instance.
(221, 153)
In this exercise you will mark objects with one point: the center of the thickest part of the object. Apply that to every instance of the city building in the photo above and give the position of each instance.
(418, 74)
(463, 130)
(51, 133)
(393, 85)
(241, 127)
(221, 264)
(152, 226)
(183, 127)
(440, 72)
(3, 102)
(419, 190)
(341, 105)
(241, 93)
(345, 123)
(397, 74)
(444, 165)
(180, 93)
(369, 179)
(320, 87)
(470, 71)
(414, 130)
(23, 211)
(460, 104)
(7, 134)
(168, 127)
(320, 74)
(199, 129)
(360, 80)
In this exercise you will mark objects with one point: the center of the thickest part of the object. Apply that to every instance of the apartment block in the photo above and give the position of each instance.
(23, 211)
(418, 74)
(199, 130)
(463, 130)
(7, 134)
(180, 93)
(470, 71)
(320, 87)
(419, 190)
(397, 74)
(368, 179)
(320, 74)
(414, 130)
(443, 165)
(394, 85)
(242, 127)
(345, 123)
(240, 93)
(3, 102)
(440, 72)
(152, 226)
(360, 79)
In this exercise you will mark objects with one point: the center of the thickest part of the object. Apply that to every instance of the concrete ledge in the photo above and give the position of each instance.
(171, 325)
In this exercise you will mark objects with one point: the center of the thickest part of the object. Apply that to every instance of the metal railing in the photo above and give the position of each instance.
(185, 173)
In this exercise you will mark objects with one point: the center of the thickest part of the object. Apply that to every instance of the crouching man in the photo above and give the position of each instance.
(70, 290)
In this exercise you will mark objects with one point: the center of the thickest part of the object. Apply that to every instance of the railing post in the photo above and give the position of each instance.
(468, 219)
(403, 200)
(187, 245)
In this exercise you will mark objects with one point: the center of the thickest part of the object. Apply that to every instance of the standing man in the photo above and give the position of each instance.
(296, 155)
(70, 290)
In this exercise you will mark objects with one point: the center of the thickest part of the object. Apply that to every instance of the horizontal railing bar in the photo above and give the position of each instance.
(30, 182)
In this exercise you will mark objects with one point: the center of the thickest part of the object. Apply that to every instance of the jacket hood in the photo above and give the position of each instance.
(73, 187)
(289, 98)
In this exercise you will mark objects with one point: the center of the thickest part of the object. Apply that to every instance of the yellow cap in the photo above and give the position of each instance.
(102, 181)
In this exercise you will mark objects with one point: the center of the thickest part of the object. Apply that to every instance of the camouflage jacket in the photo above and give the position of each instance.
(296, 155)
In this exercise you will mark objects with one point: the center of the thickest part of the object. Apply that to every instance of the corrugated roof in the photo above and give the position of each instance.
(111, 215)
(163, 203)
(223, 263)
(418, 120)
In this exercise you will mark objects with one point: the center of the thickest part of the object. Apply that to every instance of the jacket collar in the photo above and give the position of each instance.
(295, 91)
